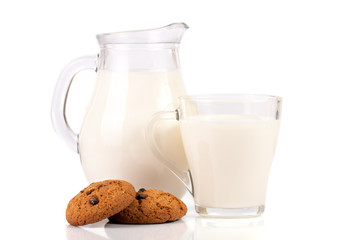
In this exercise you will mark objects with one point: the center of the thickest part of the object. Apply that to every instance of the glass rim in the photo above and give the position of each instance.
(231, 97)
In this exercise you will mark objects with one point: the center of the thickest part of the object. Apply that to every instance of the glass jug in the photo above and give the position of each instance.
(138, 74)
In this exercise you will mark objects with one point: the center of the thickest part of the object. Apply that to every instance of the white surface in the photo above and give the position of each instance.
(307, 51)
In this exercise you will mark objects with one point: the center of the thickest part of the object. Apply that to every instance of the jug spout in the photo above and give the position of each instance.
(171, 33)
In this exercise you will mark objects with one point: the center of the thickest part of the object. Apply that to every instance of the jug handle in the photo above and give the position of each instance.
(61, 91)
(182, 175)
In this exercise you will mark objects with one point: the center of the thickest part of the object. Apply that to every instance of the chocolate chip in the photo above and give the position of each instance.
(93, 201)
(82, 191)
(89, 192)
(142, 190)
(141, 196)
(103, 185)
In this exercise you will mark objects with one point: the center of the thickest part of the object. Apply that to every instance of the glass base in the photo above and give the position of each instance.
(230, 212)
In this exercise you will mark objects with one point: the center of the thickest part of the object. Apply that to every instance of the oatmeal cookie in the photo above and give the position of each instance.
(151, 206)
(99, 201)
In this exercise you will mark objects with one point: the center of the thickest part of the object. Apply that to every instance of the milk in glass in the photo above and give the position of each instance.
(229, 158)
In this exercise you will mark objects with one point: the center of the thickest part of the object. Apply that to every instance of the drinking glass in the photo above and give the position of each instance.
(229, 142)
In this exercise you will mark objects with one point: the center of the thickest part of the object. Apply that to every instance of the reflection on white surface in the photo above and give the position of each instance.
(104, 230)
(228, 229)
(175, 230)
(89, 232)
(191, 227)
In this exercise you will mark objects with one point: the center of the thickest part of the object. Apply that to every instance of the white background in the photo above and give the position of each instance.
(308, 52)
